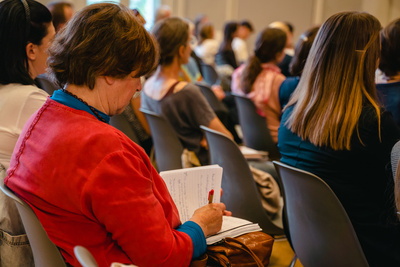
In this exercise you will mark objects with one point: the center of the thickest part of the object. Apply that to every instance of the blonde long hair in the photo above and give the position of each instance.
(337, 81)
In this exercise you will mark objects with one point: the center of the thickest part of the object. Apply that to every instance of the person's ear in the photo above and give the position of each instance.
(31, 51)
(109, 80)
(182, 49)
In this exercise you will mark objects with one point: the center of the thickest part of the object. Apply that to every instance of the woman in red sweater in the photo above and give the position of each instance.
(87, 182)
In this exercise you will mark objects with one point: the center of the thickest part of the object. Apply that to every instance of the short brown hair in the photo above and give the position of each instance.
(171, 33)
(101, 40)
(206, 31)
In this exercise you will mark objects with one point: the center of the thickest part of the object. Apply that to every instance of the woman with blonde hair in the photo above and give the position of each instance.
(334, 127)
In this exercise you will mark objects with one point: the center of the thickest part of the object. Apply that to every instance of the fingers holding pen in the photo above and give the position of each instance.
(209, 217)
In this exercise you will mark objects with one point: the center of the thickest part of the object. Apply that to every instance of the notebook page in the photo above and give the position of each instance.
(189, 187)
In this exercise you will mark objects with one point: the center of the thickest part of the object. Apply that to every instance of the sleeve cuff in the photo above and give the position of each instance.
(194, 231)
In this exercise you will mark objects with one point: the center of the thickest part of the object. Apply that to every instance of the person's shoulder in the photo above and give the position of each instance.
(211, 42)
(388, 86)
(290, 83)
(369, 116)
(23, 90)
(238, 41)
(20, 94)
(110, 137)
(190, 89)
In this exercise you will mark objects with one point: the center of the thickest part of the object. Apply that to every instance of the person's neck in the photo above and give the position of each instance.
(170, 72)
(91, 97)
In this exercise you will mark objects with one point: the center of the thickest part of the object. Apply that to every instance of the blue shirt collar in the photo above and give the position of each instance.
(74, 103)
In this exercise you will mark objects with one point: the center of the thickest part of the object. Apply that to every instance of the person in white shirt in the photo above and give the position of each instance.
(207, 47)
(239, 44)
(26, 31)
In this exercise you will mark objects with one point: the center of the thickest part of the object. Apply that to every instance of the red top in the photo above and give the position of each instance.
(90, 185)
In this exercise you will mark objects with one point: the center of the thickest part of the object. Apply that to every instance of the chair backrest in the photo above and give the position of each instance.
(210, 76)
(84, 257)
(45, 253)
(168, 147)
(121, 123)
(320, 230)
(395, 157)
(44, 82)
(215, 104)
(240, 195)
(255, 130)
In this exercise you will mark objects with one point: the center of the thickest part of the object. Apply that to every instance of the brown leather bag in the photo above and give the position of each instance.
(248, 250)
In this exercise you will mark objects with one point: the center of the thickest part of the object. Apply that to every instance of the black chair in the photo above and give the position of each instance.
(45, 252)
(43, 82)
(215, 104)
(210, 76)
(240, 191)
(320, 231)
(395, 157)
(168, 147)
(255, 130)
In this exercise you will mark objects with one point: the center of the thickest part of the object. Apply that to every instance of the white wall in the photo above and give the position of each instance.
(301, 13)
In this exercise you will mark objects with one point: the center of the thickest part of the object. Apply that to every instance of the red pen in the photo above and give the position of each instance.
(210, 196)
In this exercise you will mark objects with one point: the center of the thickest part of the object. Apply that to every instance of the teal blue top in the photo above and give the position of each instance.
(72, 102)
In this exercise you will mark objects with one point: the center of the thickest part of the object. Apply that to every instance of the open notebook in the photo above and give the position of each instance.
(189, 189)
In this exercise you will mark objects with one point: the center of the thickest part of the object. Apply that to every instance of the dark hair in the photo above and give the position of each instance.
(247, 24)
(390, 53)
(301, 51)
(58, 13)
(206, 32)
(101, 40)
(229, 30)
(290, 26)
(171, 34)
(15, 34)
(268, 44)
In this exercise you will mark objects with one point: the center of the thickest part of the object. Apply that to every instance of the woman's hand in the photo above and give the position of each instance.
(209, 217)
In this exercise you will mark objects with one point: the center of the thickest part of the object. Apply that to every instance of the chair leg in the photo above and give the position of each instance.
(292, 263)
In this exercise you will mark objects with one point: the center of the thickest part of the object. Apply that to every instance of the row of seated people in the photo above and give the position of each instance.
(315, 149)
(348, 145)
(78, 112)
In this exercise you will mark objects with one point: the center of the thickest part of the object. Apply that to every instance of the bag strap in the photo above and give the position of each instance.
(171, 89)
(239, 245)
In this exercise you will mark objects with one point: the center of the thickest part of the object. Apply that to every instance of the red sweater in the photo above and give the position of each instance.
(90, 185)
